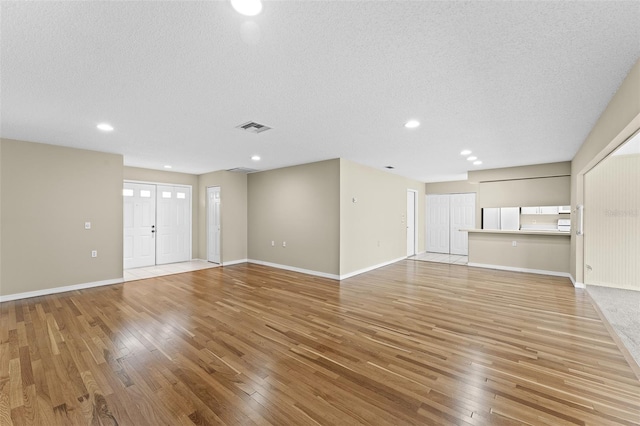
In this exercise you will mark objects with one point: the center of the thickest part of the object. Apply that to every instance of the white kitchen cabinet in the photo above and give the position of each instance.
(549, 210)
(530, 210)
(541, 210)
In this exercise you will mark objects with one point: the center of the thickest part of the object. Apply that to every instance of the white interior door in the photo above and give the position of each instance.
(139, 218)
(411, 222)
(437, 217)
(174, 224)
(462, 209)
(213, 224)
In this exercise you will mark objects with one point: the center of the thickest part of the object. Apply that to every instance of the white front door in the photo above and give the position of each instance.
(173, 228)
(437, 217)
(462, 209)
(139, 218)
(213, 224)
(411, 222)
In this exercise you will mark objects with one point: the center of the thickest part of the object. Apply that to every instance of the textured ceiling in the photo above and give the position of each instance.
(516, 82)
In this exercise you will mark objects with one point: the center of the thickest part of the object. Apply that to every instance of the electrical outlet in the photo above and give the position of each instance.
(284, 244)
(514, 243)
(273, 243)
(94, 253)
(87, 225)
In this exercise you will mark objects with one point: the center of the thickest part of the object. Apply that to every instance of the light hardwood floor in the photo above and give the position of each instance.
(412, 343)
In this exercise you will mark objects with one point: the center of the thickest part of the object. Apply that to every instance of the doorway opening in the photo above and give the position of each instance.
(157, 224)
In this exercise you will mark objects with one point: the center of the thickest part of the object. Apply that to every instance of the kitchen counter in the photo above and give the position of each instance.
(520, 232)
(537, 251)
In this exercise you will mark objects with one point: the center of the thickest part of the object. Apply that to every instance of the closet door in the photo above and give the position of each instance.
(437, 217)
(463, 216)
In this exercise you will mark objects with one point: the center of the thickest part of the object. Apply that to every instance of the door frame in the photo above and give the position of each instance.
(146, 182)
(208, 224)
(415, 221)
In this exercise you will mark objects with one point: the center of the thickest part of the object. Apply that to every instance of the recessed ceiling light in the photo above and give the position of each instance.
(247, 7)
(167, 166)
(105, 127)
(256, 158)
(465, 152)
(472, 158)
(477, 163)
(411, 124)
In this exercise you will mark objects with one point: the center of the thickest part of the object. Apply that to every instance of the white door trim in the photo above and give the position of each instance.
(212, 257)
(414, 194)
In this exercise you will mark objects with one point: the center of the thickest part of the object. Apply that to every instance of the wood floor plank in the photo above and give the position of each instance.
(413, 343)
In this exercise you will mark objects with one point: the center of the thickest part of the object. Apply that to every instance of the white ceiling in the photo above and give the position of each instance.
(516, 82)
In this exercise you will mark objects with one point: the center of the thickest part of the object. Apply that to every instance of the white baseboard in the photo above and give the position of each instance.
(575, 283)
(294, 269)
(527, 270)
(234, 262)
(370, 268)
(54, 290)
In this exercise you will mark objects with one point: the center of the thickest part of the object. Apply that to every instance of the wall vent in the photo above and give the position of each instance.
(242, 170)
(253, 127)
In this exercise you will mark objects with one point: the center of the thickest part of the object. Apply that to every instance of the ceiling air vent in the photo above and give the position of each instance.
(253, 127)
(242, 170)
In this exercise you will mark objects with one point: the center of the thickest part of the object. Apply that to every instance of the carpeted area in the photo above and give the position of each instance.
(622, 310)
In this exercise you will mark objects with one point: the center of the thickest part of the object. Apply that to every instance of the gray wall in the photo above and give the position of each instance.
(299, 205)
(48, 193)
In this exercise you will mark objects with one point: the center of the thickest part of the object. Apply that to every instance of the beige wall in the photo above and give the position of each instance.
(299, 205)
(537, 252)
(521, 172)
(233, 214)
(162, 176)
(551, 191)
(616, 124)
(373, 230)
(455, 187)
(48, 193)
(612, 223)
